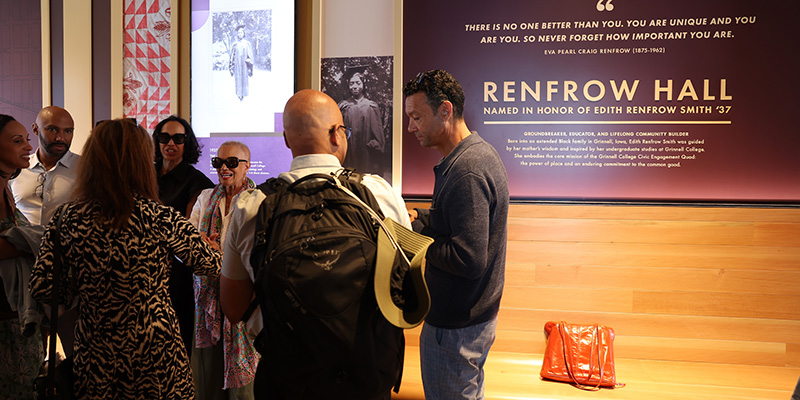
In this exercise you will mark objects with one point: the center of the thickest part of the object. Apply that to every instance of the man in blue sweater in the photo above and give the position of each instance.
(468, 218)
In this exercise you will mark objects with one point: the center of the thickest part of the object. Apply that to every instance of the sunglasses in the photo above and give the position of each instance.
(230, 162)
(422, 75)
(39, 190)
(164, 138)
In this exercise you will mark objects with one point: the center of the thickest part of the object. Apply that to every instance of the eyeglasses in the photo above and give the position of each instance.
(230, 162)
(39, 191)
(347, 131)
(164, 138)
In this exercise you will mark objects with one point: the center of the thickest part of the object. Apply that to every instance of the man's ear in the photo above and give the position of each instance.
(35, 128)
(335, 138)
(446, 110)
(286, 142)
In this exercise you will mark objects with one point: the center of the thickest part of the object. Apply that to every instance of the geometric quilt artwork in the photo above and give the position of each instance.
(146, 61)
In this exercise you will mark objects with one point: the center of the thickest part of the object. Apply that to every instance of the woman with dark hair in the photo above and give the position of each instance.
(177, 150)
(179, 184)
(117, 243)
(20, 348)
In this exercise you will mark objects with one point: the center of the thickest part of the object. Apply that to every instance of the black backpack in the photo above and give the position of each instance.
(324, 336)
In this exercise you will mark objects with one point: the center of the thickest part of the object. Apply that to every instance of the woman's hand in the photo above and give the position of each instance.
(212, 241)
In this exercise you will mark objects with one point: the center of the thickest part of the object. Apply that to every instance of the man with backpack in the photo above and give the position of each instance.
(323, 334)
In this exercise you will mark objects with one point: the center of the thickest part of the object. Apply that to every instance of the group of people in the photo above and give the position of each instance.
(157, 259)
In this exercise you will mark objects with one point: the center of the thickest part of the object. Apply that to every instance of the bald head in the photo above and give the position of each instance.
(308, 118)
(54, 128)
(52, 111)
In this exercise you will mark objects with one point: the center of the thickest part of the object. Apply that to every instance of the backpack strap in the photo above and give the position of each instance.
(266, 213)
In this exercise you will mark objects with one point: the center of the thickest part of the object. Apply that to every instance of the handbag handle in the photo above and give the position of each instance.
(568, 359)
(51, 362)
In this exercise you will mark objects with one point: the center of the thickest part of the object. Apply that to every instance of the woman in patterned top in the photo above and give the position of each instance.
(117, 241)
(224, 359)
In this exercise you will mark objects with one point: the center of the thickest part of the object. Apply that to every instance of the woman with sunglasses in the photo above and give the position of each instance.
(177, 150)
(179, 184)
(224, 360)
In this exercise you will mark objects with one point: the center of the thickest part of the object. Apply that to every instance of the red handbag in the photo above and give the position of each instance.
(582, 355)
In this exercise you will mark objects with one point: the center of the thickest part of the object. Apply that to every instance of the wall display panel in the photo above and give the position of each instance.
(146, 61)
(243, 72)
(620, 100)
(362, 86)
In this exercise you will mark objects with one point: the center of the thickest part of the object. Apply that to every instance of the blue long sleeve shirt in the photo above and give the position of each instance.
(468, 219)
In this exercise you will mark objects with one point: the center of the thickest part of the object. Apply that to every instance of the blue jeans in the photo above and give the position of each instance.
(452, 360)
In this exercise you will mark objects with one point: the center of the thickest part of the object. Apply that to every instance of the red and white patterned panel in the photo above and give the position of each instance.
(146, 61)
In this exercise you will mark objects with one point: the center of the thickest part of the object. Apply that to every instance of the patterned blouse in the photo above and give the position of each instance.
(127, 340)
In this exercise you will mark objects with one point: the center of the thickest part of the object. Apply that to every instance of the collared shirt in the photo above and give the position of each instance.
(55, 187)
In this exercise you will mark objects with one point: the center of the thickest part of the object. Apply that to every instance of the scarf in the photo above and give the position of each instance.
(240, 357)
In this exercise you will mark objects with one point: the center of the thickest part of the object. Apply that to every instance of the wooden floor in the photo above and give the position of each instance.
(516, 376)
(703, 300)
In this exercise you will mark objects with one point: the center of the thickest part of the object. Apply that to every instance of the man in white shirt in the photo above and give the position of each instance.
(48, 182)
(314, 132)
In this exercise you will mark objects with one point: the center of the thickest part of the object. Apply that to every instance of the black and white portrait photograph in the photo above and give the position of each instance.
(362, 86)
(242, 44)
(243, 65)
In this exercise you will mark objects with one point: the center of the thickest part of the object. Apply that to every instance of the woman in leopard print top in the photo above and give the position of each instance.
(117, 244)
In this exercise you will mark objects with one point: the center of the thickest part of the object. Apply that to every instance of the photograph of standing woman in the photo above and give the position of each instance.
(363, 116)
(362, 88)
(241, 64)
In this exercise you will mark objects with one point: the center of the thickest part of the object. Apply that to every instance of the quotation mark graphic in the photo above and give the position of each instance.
(605, 5)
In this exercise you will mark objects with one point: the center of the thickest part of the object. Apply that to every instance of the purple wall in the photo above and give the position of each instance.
(722, 131)
(20, 60)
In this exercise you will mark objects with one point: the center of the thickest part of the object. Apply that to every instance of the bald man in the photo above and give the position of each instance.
(49, 180)
(314, 132)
